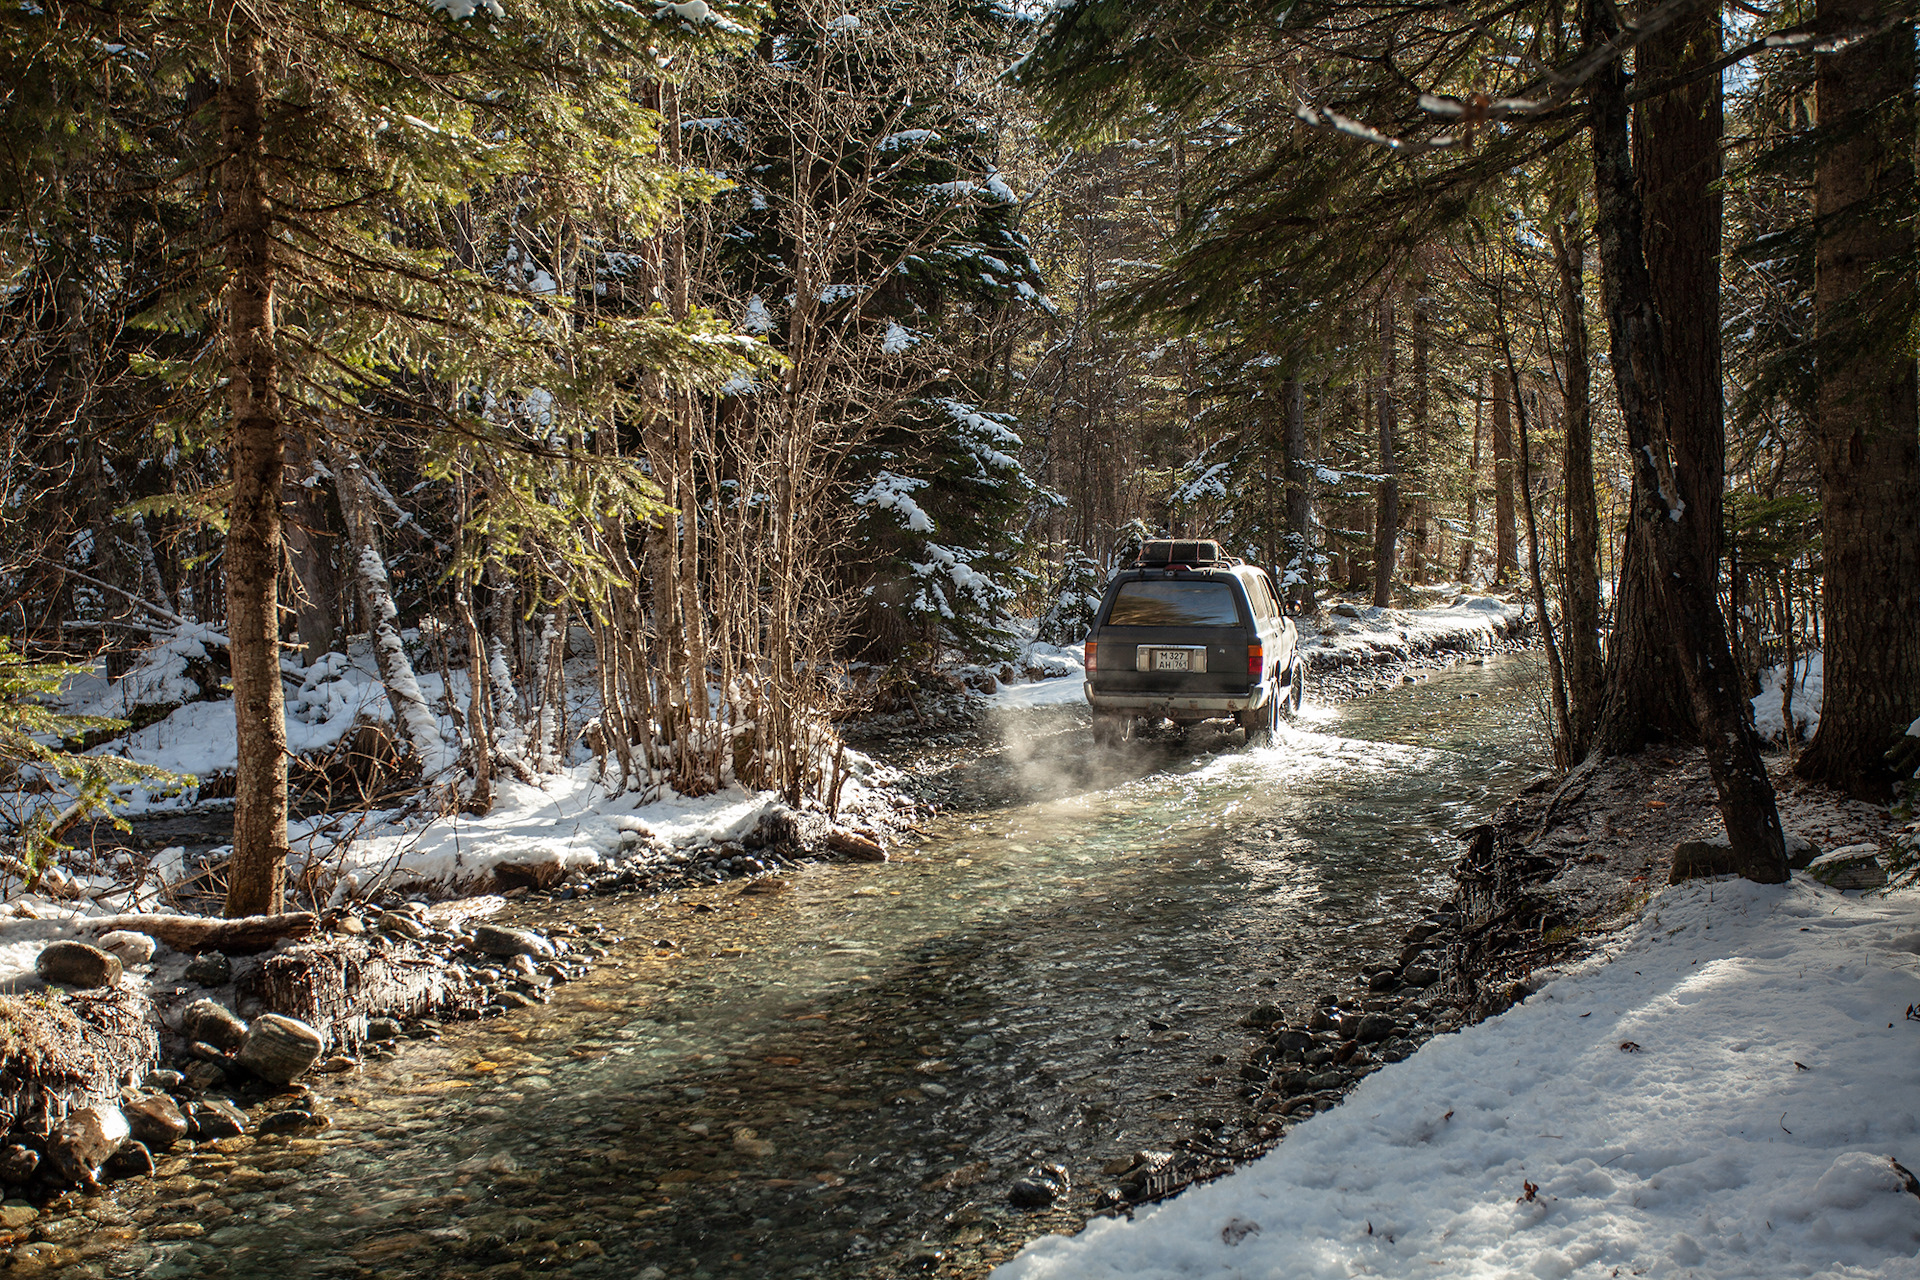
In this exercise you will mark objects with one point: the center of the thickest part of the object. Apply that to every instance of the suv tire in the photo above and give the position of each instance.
(1296, 688)
(1110, 729)
(1261, 722)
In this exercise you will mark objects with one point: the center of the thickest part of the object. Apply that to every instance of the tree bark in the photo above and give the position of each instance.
(257, 875)
(1299, 496)
(1469, 539)
(1676, 156)
(1867, 434)
(413, 718)
(1660, 519)
(1422, 425)
(316, 588)
(1386, 523)
(1506, 537)
(1580, 599)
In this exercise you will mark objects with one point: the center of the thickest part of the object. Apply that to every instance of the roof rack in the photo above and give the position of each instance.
(1157, 553)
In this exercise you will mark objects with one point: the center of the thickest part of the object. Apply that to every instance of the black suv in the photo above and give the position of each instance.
(1189, 634)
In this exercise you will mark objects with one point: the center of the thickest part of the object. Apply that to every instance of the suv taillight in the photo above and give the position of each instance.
(1091, 646)
(1256, 662)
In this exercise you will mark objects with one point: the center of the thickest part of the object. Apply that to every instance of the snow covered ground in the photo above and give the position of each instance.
(1730, 1094)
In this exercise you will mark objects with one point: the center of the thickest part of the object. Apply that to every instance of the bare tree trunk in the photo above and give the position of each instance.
(1506, 538)
(1580, 600)
(1685, 585)
(1386, 522)
(257, 875)
(413, 717)
(316, 603)
(1867, 440)
(1469, 539)
(1299, 497)
(1422, 424)
(1677, 161)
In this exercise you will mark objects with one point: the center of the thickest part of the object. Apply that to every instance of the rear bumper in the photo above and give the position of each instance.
(1168, 704)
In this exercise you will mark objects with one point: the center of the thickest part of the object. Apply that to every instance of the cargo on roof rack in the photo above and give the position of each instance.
(1167, 551)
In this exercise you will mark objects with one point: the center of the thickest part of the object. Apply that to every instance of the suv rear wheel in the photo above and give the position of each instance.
(1296, 688)
(1261, 722)
(1110, 729)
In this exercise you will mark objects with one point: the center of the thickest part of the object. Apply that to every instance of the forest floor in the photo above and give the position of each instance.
(1712, 1078)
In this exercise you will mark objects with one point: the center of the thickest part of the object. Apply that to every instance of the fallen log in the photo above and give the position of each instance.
(856, 846)
(238, 937)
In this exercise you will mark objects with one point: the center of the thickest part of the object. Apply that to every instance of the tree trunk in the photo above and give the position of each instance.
(1676, 151)
(1468, 540)
(1506, 537)
(1580, 599)
(1867, 437)
(1300, 566)
(1660, 520)
(413, 717)
(1386, 523)
(257, 875)
(316, 598)
(1423, 468)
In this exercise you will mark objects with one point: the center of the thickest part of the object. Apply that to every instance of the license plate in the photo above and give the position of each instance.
(1172, 660)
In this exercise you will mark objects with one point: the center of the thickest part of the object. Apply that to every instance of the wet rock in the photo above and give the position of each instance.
(132, 1160)
(498, 940)
(398, 924)
(76, 964)
(156, 1120)
(210, 969)
(132, 948)
(1292, 1041)
(1042, 1185)
(214, 1023)
(1367, 1028)
(1266, 1015)
(83, 1142)
(278, 1048)
(18, 1164)
(215, 1118)
(1322, 1081)
(293, 1120)
(379, 1029)
(164, 1080)
(1420, 975)
(15, 1214)
(202, 1076)
(1322, 1020)
(1385, 980)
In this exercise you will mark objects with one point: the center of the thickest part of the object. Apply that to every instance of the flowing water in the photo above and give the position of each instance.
(841, 1076)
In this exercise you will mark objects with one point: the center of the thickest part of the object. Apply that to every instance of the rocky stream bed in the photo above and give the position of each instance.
(898, 1072)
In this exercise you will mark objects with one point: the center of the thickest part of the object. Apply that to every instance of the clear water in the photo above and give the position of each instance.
(841, 1077)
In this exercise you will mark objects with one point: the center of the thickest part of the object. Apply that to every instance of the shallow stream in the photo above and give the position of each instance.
(838, 1073)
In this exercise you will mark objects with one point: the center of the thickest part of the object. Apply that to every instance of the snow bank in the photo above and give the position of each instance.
(1725, 1098)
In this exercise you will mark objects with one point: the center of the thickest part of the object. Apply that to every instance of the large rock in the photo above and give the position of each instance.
(131, 947)
(1854, 866)
(83, 1142)
(156, 1120)
(214, 1023)
(75, 964)
(1698, 859)
(498, 940)
(278, 1048)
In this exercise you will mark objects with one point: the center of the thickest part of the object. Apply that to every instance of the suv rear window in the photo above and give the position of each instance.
(1174, 604)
